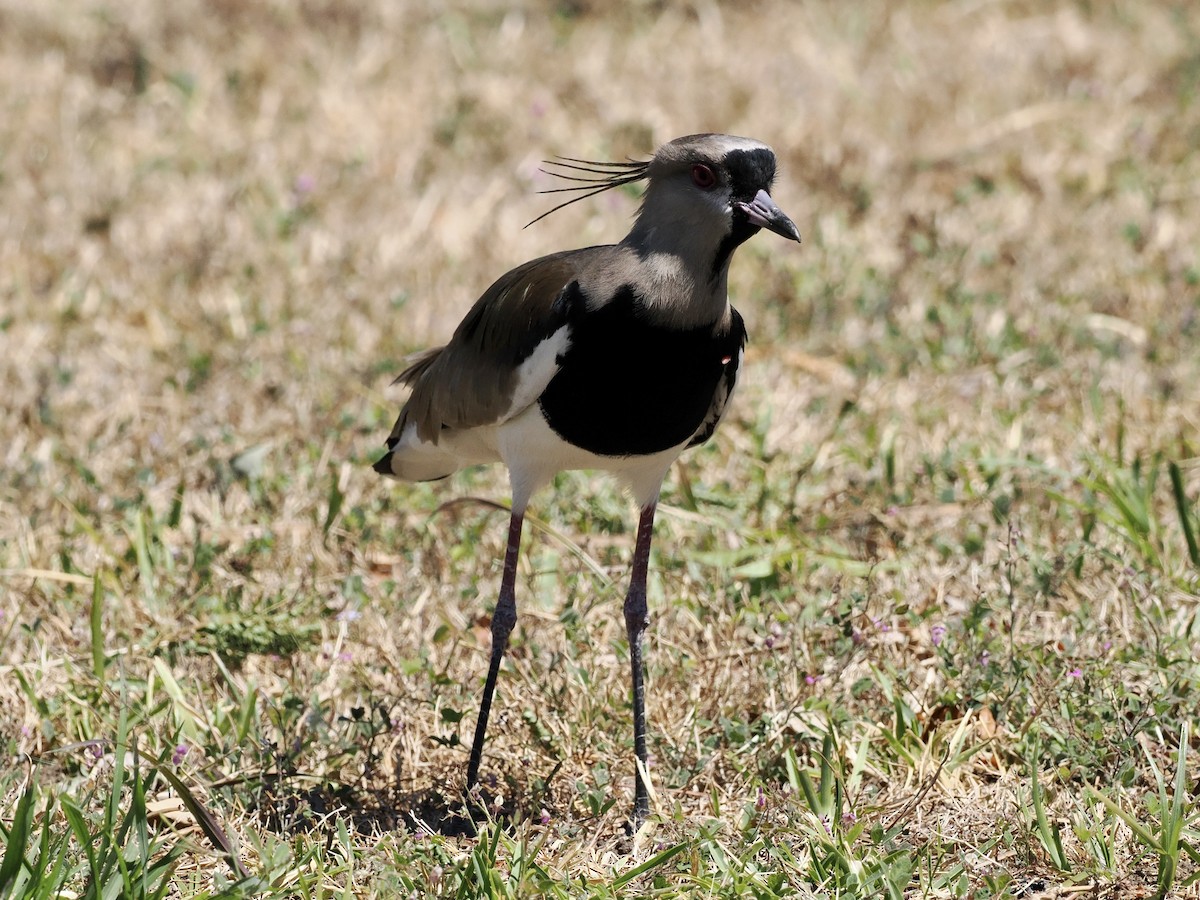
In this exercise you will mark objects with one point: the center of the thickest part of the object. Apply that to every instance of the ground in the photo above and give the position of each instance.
(924, 613)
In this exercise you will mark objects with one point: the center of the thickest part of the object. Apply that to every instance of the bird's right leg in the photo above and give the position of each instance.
(503, 620)
(636, 616)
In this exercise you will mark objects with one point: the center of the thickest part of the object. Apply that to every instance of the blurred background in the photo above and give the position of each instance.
(259, 184)
(223, 216)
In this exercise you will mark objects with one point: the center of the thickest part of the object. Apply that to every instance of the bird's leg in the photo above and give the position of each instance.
(635, 626)
(503, 620)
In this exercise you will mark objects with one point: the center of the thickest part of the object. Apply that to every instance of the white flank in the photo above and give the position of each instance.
(534, 454)
(417, 460)
(537, 371)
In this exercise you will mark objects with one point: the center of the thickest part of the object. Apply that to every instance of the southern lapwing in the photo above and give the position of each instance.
(617, 357)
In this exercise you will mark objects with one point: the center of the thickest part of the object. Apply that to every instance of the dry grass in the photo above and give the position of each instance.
(224, 225)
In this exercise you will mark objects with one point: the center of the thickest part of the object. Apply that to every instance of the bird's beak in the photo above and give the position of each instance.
(763, 212)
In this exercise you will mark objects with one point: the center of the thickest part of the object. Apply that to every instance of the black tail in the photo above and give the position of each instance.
(384, 465)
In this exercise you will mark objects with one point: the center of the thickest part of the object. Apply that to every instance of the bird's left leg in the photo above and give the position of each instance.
(636, 619)
(503, 620)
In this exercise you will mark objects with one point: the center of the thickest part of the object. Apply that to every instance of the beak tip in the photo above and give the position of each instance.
(763, 213)
(787, 228)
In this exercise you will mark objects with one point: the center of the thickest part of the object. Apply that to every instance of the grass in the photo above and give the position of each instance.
(924, 613)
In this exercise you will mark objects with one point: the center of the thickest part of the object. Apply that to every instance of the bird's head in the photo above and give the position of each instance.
(718, 178)
(702, 183)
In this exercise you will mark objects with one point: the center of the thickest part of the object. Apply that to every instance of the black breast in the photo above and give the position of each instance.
(627, 387)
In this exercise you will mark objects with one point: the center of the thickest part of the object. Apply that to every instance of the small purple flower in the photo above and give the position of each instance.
(1075, 673)
(985, 657)
(345, 656)
(304, 185)
(544, 817)
(936, 634)
(348, 615)
(811, 679)
(760, 802)
(828, 823)
(181, 750)
(848, 818)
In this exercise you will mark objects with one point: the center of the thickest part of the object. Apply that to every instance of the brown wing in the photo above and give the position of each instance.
(471, 381)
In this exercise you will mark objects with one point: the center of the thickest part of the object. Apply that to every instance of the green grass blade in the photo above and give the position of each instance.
(652, 863)
(1174, 815)
(825, 790)
(1185, 513)
(17, 839)
(811, 797)
(1140, 831)
(206, 820)
(1048, 834)
(336, 498)
(141, 832)
(83, 836)
(96, 621)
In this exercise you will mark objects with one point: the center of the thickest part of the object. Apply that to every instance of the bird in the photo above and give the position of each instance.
(615, 358)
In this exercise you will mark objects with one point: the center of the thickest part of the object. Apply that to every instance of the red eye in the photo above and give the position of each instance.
(703, 177)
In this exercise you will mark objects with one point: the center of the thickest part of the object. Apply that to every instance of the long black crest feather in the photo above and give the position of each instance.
(609, 175)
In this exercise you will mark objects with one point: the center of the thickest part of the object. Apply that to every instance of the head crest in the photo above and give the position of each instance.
(606, 176)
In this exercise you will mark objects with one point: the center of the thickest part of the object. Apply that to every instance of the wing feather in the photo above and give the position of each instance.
(472, 380)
